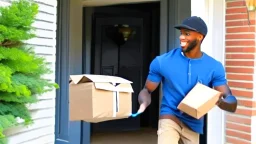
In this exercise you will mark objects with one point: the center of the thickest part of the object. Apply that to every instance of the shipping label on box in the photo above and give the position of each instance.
(199, 101)
(97, 98)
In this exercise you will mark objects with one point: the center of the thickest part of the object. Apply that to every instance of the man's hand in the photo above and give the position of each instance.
(220, 98)
(227, 101)
(145, 96)
(142, 108)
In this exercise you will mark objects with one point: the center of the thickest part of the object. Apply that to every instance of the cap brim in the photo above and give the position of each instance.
(185, 27)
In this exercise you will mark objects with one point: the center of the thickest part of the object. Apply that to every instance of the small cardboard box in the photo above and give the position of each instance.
(199, 101)
(98, 98)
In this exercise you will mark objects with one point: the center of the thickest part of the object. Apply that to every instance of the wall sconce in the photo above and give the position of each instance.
(125, 30)
(251, 5)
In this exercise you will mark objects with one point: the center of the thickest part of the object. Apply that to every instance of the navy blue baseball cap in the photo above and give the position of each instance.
(194, 23)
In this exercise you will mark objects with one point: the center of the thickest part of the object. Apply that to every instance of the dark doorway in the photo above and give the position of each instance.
(78, 132)
(203, 138)
(130, 59)
(112, 56)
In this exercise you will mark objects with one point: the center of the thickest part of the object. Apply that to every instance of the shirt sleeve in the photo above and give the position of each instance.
(219, 76)
(154, 71)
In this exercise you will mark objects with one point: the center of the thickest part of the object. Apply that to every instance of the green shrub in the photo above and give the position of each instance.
(21, 69)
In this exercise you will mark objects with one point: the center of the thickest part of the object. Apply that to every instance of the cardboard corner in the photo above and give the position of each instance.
(106, 79)
(187, 109)
(199, 115)
(125, 87)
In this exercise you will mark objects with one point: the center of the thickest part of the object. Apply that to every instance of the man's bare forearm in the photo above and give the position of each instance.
(144, 97)
(227, 91)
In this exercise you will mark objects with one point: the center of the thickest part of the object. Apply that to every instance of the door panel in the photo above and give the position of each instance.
(66, 132)
(120, 60)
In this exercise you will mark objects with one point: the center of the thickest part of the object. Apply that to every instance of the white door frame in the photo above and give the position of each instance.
(213, 12)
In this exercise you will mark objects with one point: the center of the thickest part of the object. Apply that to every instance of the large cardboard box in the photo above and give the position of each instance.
(199, 101)
(97, 98)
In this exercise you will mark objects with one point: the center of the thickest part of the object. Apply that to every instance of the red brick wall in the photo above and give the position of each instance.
(240, 63)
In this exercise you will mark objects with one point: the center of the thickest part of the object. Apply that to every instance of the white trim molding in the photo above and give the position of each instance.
(213, 12)
(253, 129)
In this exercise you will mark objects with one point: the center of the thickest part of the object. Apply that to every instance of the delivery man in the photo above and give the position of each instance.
(179, 70)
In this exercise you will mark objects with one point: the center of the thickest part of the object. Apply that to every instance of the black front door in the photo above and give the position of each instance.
(115, 56)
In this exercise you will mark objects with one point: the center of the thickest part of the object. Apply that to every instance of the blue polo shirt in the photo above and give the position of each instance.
(179, 75)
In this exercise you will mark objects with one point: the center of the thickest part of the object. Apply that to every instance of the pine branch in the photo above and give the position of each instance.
(6, 121)
(10, 44)
(16, 110)
(13, 98)
(34, 83)
(3, 140)
(16, 54)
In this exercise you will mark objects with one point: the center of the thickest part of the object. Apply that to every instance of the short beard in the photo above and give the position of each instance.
(191, 46)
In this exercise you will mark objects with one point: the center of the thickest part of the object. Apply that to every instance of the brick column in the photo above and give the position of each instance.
(240, 67)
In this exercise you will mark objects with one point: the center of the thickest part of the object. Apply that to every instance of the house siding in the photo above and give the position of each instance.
(240, 67)
(43, 112)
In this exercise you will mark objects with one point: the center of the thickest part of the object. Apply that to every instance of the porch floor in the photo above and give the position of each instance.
(143, 136)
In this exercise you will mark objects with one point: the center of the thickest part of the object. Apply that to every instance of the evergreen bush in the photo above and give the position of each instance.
(21, 69)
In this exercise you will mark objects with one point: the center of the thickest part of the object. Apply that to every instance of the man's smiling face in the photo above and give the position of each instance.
(189, 39)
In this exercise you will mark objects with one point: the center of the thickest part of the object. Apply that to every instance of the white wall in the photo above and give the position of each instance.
(213, 12)
(43, 112)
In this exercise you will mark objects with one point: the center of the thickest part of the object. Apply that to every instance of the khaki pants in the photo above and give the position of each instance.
(170, 132)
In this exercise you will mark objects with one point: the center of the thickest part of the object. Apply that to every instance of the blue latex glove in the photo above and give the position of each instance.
(141, 110)
(230, 99)
(228, 104)
(135, 115)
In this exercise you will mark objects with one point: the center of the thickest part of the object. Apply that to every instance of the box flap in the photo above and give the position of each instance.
(125, 87)
(78, 79)
(97, 78)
